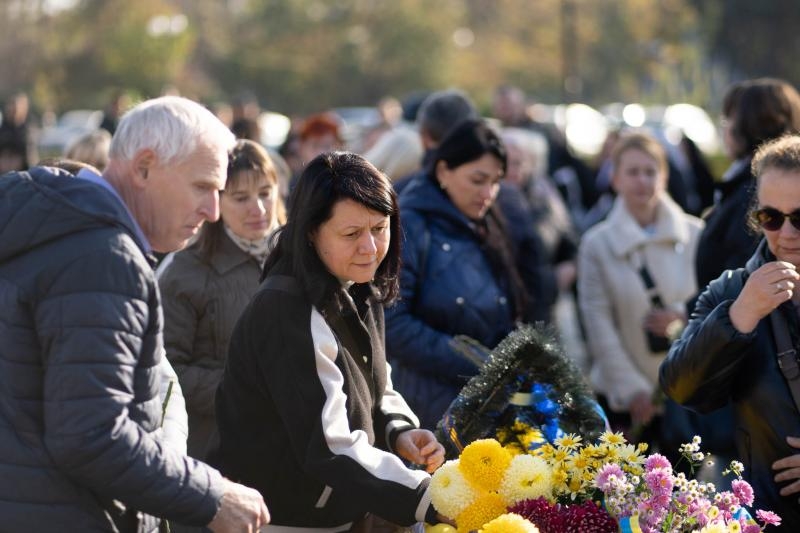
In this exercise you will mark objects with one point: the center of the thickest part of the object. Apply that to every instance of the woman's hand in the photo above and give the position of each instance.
(420, 447)
(642, 409)
(765, 289)
(789, 469)
(662, 321)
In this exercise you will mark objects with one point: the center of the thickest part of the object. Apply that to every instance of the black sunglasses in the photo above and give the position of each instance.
(771, 219)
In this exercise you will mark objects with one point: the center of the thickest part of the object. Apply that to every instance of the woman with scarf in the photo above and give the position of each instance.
(205, 287)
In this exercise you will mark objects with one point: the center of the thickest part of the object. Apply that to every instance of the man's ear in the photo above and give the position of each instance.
(143, 162)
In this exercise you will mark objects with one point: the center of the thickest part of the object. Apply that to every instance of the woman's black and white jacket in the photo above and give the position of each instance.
(307, 413)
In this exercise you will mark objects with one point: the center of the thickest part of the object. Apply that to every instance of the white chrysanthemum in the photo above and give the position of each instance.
(527, 477)
(451, 493)
(715, 527)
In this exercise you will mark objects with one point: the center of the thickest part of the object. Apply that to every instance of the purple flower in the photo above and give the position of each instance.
(603, 476)
(768, 517)
(743, 491)
(657, 461)
(659, 480)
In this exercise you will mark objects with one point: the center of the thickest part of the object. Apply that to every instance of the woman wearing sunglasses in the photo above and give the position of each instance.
(730, 349)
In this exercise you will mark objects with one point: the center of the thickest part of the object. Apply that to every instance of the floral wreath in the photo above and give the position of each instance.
(526, 394)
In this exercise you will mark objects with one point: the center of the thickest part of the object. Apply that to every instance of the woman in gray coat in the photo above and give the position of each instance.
(206, 286)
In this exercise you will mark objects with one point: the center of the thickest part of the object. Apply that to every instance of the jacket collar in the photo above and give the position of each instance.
(761, 256)
(670, 227)
(229, 256)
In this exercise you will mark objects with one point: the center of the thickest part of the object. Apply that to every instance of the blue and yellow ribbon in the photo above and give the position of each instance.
(630, 524)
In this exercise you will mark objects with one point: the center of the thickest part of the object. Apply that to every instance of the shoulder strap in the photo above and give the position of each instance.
(650, 285)
(787, 355)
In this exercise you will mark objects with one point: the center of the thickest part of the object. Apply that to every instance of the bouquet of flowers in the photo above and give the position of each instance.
(602, 487)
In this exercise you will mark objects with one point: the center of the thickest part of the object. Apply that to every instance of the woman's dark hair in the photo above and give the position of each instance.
(247, 161)
(760, 110)
(468, 141)
(326, 180)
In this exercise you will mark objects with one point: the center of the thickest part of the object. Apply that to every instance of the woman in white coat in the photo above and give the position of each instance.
(646, 240)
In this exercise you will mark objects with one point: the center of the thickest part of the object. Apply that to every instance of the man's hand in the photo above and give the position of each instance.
(420, 447)
(242, 509)
(789, 469)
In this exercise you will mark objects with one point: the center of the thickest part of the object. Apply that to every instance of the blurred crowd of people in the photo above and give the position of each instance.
(500, 223)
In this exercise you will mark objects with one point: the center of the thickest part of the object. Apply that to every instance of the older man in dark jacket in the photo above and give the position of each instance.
(81, 330)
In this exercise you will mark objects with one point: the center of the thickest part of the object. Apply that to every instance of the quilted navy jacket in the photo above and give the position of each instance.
(447, 289)
(80, 341)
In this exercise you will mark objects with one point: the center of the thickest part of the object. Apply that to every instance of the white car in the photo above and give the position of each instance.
(70, 126)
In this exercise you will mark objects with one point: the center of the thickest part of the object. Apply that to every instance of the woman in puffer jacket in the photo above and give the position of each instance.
(459, 282)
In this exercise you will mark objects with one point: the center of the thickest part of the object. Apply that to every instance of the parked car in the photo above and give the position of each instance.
(70, 126)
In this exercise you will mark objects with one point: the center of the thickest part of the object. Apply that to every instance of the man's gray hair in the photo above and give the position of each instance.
(172, 126)
(442, 111)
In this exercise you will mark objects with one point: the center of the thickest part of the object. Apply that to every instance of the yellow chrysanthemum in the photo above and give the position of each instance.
(483, 463)
(546, 451)
(527, 477)
(613, 438)
(485, 508)
(450, 491)
(570, 441)
(734, 526)
(509, 523)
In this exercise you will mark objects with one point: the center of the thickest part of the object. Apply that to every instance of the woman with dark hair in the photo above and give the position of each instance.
(754, 111)
(205, 287)
(306, 410)
(459, 282)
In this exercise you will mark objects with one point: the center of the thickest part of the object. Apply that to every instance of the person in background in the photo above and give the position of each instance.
(397, 153)
(754, 111)
(17, 135)
(207, 285)
(459, 275)
(306, 409)
(91, 148)
(80, 405)
(550, 223)
(118, 103)
(573, 177)
(318, 134)
(728, 353)
(632, 285)
(437, 115)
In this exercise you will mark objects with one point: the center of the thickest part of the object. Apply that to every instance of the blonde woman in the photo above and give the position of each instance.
(635, 273)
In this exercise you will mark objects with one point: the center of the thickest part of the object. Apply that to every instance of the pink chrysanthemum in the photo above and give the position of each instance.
(768, 517)
(659, 480)
(743, 492)
(657, 461)
(605, 473)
